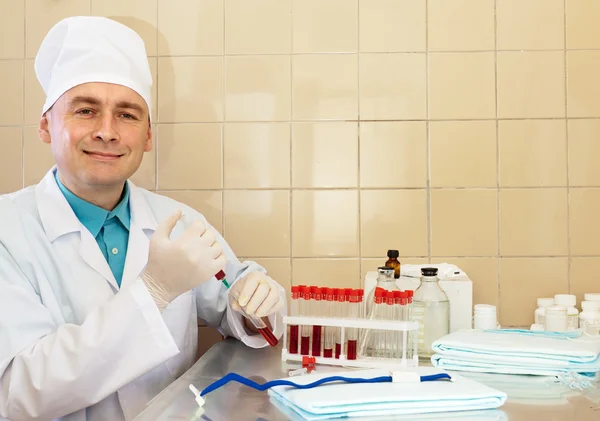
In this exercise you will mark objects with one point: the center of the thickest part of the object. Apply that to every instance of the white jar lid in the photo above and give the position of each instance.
(592, 296)
(565, 300)
(545, 302)
(590, 305)
(558, 310)
(485, 308)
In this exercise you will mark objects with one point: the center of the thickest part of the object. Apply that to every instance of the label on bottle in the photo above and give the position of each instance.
(419, 334)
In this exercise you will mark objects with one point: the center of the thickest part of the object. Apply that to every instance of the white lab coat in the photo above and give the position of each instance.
(73, 345)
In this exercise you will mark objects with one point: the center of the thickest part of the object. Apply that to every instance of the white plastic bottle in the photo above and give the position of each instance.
(484, 317)
(540, 312)
(569, 301)
(556, 319)
(592, 296)
(590, 314)
(431, 309)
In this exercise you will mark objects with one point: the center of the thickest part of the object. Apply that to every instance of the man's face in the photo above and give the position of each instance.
(98, 133)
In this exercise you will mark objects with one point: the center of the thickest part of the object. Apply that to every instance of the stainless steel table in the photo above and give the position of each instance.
(235, 402)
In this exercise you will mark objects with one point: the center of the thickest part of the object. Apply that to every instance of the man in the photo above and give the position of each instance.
(101, 282)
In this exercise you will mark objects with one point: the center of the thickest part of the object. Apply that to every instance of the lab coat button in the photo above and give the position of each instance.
(115, 250)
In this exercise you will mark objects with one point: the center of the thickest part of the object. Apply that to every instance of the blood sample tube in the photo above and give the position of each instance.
(295, 311)
(305, 329)
(341, 300)
(329, 333)
(353, 332)
(317, 312)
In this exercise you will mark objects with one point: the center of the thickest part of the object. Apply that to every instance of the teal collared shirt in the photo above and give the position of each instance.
(110, 229)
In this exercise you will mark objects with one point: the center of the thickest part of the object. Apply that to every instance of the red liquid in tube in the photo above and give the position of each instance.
(294, 339)
(316, 343)
(328, 353)
(338, 350)
(352, 343)
(305, 345)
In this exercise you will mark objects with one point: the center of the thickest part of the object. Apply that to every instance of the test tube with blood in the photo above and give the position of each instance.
(262, 328)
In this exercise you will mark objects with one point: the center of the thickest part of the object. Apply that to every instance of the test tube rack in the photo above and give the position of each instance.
(345, 323)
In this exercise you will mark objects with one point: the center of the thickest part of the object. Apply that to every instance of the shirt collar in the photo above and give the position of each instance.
(93, 217)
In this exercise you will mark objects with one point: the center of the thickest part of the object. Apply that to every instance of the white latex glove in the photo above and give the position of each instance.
(257, 294)
(177, 266)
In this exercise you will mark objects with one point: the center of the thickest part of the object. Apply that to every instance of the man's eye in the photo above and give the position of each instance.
(85, 111)
(128, 116)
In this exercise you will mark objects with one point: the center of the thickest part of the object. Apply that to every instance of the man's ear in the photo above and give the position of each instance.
(44, 129)
(148, 145)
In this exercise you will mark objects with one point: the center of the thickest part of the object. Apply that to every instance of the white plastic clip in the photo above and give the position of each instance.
(199, 399)
(405, 377)
(298, 372)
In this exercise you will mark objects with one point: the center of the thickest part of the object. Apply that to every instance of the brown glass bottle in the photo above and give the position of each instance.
(393, 262)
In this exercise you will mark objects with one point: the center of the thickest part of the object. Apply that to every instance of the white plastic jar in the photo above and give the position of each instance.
(589, 316)
(540, 312)
(569, 301)
(556, 319)
(592, 296)
(484, 317)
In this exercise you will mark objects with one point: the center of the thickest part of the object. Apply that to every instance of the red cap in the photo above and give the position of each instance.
(336, 291)
(389, 294)
(313, 289)
(305, 292)
(397, 293)
(348, 291)
(329, 291)
(403, 294)
(379, 292)
(295, 289)
(410, 293)
(361, 292)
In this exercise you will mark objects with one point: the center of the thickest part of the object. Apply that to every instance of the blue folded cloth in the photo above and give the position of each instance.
(384, 399)
(516, 352)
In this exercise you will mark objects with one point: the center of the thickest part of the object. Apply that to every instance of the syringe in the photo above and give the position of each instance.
(262, 328)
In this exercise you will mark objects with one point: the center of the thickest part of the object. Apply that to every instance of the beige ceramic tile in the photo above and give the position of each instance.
(531, 84)
(190, 89)
(462, 86)
(392, 25)
(325, 154)
(583, 31)
(460, 25)
(393, 219)
(324, 26)
(331, 273)
(532, 153)
(584, 276)
(583, 84)
(584, 150)
(464, 223)
(257, 27)
(34, 96)
(37, 157)
(208, 203)
(190, 27)
(483, 271)
(41, 15)
(325, 86)
(145, 176)
(324, 223)
(12, 29)
(11, 159)
(462, 153)
(371, 264)
(530, 25)
(280, 269)
(189, 156)
(533, 222)
(393, 86)
(139, 15)
(523, 281)
(257, 155)
(393, 154)
(257, 88)
(11, 86)
(584, 223)
(257, 223)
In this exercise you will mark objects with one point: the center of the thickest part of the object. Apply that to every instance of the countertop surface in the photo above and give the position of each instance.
(529, 397)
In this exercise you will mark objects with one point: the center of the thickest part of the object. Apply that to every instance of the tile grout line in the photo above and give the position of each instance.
(156, 105)
(498, 193)
(222, 131)
(291, 200)
(569, 260)
(358, 196)
(427, 134)
(23, 121)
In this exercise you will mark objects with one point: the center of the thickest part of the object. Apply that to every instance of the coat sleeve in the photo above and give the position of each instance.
(49, 370)
(214, 307)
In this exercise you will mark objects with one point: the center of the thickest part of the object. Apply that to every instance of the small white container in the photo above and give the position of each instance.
(569, 301)
(589, 319)
(485, 317)
(556, 319)
(540, 312)
(592, 296)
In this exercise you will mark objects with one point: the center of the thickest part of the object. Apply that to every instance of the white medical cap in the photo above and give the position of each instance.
(83, 49)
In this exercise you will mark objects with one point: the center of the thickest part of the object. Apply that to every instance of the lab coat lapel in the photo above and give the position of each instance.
(91, 254)
(142, 226)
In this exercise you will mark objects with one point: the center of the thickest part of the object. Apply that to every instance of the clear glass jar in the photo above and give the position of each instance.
(431, 308)
(386, 281)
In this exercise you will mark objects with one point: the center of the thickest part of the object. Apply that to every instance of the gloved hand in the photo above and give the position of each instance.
(257, 293)
(177, 266)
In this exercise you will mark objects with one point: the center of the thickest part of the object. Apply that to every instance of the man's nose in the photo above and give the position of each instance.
(107, 129)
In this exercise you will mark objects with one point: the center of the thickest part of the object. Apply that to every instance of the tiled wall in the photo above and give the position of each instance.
(316, 134)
